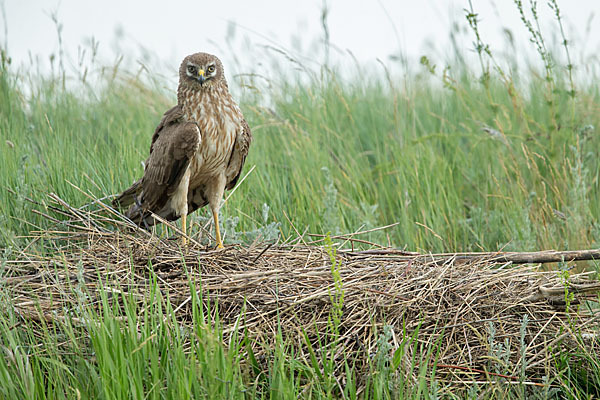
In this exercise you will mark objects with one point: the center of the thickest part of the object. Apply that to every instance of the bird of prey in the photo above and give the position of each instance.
(198, 150)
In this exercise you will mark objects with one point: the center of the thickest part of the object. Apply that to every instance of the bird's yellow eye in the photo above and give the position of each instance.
(210, 69)
(191, 69)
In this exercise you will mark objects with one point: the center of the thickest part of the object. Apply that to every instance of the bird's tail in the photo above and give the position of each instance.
(130, 201)
(129, 196)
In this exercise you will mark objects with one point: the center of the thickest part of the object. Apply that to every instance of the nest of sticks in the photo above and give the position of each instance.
(488, 315)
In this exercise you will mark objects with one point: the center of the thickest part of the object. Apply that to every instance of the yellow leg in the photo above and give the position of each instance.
(184, 229)
(217, 231)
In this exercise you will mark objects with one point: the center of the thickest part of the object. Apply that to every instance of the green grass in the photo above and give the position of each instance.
(331, 154)
(121, 349)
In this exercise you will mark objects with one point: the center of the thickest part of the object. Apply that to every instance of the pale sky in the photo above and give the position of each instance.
(170, 30)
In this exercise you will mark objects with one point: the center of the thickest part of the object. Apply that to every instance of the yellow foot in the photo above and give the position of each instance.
(184, 229)
(217, 230)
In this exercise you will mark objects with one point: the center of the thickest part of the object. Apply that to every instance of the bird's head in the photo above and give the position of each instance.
(201, 70)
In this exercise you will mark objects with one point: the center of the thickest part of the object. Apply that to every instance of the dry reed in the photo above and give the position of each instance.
(455, 302)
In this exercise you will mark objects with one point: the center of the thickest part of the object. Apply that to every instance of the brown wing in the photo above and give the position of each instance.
(173, 146)
(130, 195)
(238, 155)
(172, 116)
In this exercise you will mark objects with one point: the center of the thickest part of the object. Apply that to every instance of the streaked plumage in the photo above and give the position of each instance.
(197, 151)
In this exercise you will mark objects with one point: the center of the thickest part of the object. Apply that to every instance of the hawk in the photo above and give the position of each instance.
(198, 150)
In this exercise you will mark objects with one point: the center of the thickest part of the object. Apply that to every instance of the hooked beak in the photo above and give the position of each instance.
(201, 76)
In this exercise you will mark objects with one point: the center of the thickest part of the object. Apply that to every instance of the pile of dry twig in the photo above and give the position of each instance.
(488, 314)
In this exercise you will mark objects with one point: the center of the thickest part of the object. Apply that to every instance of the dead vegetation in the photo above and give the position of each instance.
(486, 316)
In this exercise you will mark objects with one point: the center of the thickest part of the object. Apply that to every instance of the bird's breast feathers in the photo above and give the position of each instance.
(220, 121)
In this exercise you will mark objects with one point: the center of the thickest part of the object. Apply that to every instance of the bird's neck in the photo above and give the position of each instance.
(195, 102)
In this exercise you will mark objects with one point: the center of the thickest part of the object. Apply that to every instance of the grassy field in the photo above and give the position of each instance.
(463, 161)
(337, 156)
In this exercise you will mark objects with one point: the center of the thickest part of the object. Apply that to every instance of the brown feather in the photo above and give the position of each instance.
(127, 198)
(172, 150)
(238, 155)
(172, 116)
(131, 195)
